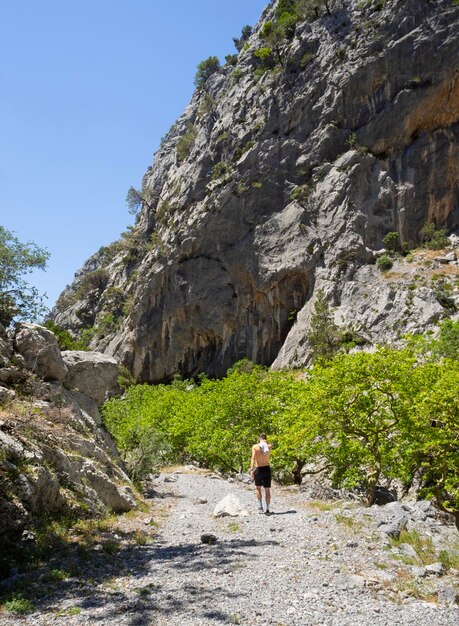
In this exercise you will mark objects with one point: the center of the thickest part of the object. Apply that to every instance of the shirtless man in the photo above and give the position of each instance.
(261, 472)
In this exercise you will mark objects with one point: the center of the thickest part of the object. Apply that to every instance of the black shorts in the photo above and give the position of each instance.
(262, 476)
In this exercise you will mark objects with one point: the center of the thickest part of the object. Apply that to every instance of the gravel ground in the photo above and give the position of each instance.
(300, 566)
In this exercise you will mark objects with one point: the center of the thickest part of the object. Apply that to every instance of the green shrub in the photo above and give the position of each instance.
(165, 210)
(18, 604)
(351, 141)
(384, 262)
(301, 193)
(432, 238)
(241, 41)
(243, 149)
(205, 70)
(444, 296)
(64, 338)
(306, 59)
(222, 137)
(236, 75)
(125, 377)
(219, 170)
(287, 21)
(186, 142)
(263, 53)
(93, 281)
(391, 241)
(259, 72)
(17, 298)
(285, 6)
(87, 335)
(231, 59)
(115, 300)
(106, 323)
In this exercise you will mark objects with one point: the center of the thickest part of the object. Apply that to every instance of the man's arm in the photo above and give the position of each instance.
(252, 460)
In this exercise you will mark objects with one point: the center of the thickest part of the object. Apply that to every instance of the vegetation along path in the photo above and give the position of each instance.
(308, 563)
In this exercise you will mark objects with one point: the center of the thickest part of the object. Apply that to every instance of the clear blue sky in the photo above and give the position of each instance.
(88, 87)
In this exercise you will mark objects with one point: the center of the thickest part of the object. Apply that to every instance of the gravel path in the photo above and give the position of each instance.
(299, 566)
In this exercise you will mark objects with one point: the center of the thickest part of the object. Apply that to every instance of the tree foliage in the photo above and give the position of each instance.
(206, 68)
(323, 336)
(17, 298)
(136, 198)
(240, 41)
(436, 431)
(359, 416)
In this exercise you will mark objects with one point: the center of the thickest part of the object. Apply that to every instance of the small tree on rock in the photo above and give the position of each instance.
(240, 41)
(135, 199)
(323, 335)
(205, 70)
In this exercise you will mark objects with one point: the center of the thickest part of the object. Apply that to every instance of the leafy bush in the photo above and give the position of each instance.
(447, 343)
(18, 604)
(231, 59)
(236, 75)
(219, 170)
(391, 241)
(93, 281)
(384, 262)
(444, 296)
(205, 70)
(432, 238)
(87, 335)
(64, 338)
(186, 142)
(263, 53)
(285, 6)
(301, 193)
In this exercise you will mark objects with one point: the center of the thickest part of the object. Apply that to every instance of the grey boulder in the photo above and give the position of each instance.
(40, 350)
(230, 506)
(92, 373)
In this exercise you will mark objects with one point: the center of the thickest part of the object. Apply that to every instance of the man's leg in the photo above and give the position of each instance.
(259, 497)
(268, 497)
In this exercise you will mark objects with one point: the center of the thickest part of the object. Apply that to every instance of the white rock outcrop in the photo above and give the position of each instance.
(40, 350)
(92, 373)
(230, 506)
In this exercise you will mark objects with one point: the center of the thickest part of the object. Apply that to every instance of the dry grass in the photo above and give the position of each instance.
(320, 505)
(180, 469)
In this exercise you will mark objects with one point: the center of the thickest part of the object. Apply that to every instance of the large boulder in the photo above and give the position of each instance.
(118, 498)
(40, 350)
(6, 395)
(93, 373)
(230, 506)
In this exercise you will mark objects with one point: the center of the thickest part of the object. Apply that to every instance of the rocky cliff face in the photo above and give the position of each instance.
(56, 459)
(274, 184)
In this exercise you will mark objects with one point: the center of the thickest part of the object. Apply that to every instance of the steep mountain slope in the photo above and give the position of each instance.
(282, 177)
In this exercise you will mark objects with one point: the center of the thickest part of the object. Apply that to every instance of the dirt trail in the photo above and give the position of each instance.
(306, 564)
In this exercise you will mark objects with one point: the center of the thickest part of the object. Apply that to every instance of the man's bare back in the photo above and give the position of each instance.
(261, 472)
(261, 458)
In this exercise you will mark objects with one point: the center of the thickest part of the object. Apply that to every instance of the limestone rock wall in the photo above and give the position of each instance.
(55, 456)
(290, 183)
